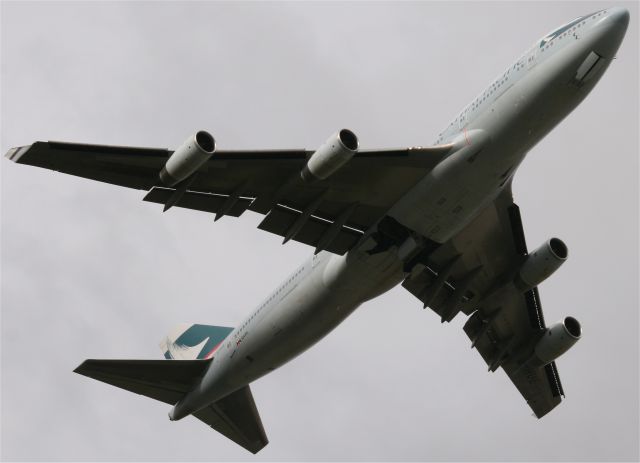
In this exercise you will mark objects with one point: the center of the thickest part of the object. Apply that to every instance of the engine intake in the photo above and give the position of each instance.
(557, 339)
(541, 263)
(327, 159)
(188, 158)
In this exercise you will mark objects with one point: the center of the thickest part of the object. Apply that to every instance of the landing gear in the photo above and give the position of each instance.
(412, 248)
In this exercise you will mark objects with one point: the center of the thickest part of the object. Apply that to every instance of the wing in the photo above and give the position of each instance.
(473, 274)
(330, 214)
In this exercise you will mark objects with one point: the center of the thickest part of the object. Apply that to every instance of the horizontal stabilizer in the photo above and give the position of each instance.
(163, 380)
(237, 418)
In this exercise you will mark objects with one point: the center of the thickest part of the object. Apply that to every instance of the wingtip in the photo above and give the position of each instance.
(84, 367)
(258, 446)
(15, 153)
(79, 369)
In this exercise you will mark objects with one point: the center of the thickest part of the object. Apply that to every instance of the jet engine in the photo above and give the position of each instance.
(557, 339)
(541, 263)
(335, 153)
(188, 158)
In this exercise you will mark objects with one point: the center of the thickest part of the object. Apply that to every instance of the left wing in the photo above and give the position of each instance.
(473, 274)
(328, 214)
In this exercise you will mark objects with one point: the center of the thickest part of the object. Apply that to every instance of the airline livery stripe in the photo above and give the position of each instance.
(215, 348)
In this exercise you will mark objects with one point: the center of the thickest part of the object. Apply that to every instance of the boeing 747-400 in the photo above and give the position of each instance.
(439, 220)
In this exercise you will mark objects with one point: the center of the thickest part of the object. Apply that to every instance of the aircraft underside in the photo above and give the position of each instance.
(440, 221)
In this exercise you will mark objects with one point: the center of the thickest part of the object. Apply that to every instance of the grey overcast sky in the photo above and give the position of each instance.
(90, 271)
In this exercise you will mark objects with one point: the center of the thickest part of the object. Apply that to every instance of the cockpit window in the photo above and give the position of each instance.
(560, 30)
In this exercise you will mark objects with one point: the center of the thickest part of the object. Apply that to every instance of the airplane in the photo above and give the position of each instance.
(439, 220)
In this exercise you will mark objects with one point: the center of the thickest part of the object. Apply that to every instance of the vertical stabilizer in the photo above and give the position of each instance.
(193, 341)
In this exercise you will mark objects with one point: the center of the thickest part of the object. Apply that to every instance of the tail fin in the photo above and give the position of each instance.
(191, 342)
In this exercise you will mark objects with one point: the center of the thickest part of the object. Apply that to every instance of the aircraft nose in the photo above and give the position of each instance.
(619, 17)
(610, 30)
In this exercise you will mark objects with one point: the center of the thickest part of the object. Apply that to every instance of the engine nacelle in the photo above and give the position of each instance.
(188, 158)
(557, 339)
(541, 263)
(335, 153)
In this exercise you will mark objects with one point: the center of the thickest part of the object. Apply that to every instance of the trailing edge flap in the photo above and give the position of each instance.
(163, 380)
(281, 219)
(236, 417)
(199, 201)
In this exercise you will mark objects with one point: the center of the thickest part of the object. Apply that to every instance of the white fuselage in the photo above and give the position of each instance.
(494, 132)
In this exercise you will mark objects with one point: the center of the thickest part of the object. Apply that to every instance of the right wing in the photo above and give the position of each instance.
(330, 214)
(473, 274)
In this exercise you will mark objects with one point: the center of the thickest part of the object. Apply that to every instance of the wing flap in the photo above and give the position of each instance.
(236, 417)
(281, 220)
(553, 377)
(206, 202)
(485, 253)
